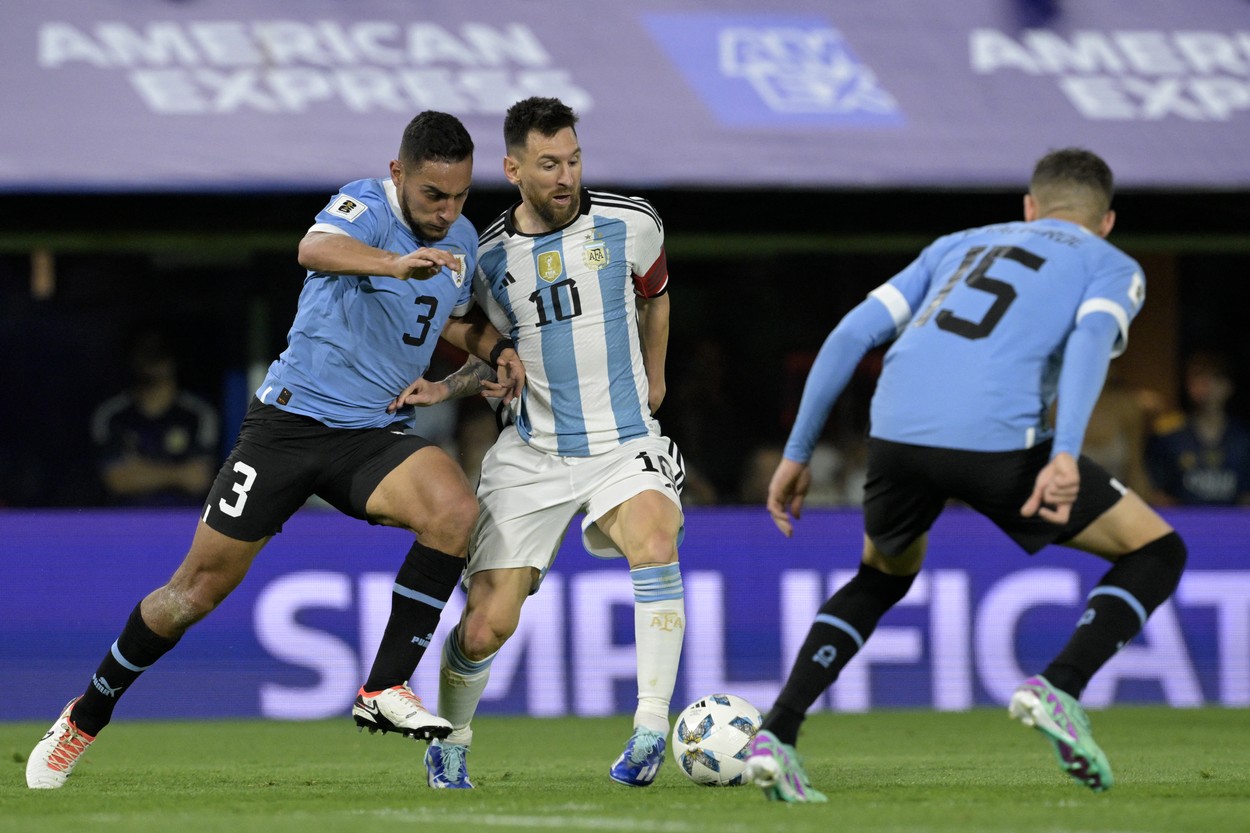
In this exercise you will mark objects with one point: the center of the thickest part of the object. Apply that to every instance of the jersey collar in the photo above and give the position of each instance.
(1062, 223)
(392, 199)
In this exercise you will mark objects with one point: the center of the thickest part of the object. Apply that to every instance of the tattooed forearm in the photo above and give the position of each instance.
(467, 381)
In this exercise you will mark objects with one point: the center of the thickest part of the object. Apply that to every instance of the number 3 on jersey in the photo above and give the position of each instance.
(423, 320)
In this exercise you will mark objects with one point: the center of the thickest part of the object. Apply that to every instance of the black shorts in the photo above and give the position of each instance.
(907, 487)
(281, 459)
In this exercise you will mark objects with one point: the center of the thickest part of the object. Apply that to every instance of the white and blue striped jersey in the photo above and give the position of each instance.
(358, 341)
(567, 298)
(983, 318)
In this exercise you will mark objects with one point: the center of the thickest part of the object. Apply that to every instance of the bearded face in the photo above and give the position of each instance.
(432, 195)
(548, 172)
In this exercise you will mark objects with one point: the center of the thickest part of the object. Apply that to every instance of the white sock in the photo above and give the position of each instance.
(461, 682)
(659, 627)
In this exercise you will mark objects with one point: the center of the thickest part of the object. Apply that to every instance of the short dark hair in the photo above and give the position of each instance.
(546, 115)
(1075, 179)
(434, 136)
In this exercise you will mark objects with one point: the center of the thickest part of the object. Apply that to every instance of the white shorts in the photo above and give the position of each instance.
(529, 497)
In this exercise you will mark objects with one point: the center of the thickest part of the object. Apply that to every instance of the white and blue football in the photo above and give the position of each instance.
(712, 739)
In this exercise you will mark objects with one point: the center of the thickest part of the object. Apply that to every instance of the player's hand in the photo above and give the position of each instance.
(656, 389)
(509, 377)
(493, 390)
(424, 264)
(786, 491)
(1055, 490)
(422, 392)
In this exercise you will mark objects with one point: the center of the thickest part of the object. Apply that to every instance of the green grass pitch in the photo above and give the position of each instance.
(884, 772)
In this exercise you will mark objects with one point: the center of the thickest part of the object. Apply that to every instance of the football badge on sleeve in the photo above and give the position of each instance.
(347, 207)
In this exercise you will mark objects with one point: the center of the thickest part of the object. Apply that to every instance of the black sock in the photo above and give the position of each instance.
(784, 723)
(1117, 610)
(844, 623)
(137, 648)
(424, 584)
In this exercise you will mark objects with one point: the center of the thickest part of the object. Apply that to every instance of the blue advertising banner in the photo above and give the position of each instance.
(297, 637)
(261, 94)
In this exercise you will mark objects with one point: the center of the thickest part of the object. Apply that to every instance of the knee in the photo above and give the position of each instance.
(888, 588)
(1170, 554)
(452, 521)
(658, 546)
(1152, 573)
(903, 564)
(1177, 553)
(482, 636)
(179, 605)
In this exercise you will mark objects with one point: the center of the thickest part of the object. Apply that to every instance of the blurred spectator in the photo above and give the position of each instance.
(757, 470)
(156, 443)
(1201, 456)
(708, 422)
(840, 456)
(837, 475)
(1115, 437)
(848, 467)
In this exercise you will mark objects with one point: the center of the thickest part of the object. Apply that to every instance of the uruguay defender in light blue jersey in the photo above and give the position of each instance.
(989, 326)
(388, 265)
(344, 374)
(1014, 292)
(578, 280)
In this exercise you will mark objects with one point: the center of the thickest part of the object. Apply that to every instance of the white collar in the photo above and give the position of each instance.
(392, 198)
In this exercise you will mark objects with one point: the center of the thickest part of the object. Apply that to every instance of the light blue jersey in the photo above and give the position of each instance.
(984, 316)
(357, 342)
(989, 325)
(567, 298)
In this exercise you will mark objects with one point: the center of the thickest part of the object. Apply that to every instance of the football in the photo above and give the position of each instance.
(712, 739)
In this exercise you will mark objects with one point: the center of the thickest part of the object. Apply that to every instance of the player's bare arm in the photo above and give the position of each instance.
(653, 315)
(786, 491)
(473, 377)
(340, 254)
(475, 335)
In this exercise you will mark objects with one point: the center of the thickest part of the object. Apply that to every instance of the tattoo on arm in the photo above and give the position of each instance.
(467, 381)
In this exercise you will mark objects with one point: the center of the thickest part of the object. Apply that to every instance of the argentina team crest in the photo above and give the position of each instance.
(595, 254)
(550, 266)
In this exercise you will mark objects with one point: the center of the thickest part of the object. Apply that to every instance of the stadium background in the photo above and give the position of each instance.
(799, 156)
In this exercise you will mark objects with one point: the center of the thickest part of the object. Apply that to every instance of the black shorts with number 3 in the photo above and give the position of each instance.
(907, 487)
(281, 459)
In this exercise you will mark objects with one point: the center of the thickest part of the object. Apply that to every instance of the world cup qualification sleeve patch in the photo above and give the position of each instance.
(348, 208)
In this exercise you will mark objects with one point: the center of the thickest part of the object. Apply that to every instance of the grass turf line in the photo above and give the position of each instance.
(884, 772)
